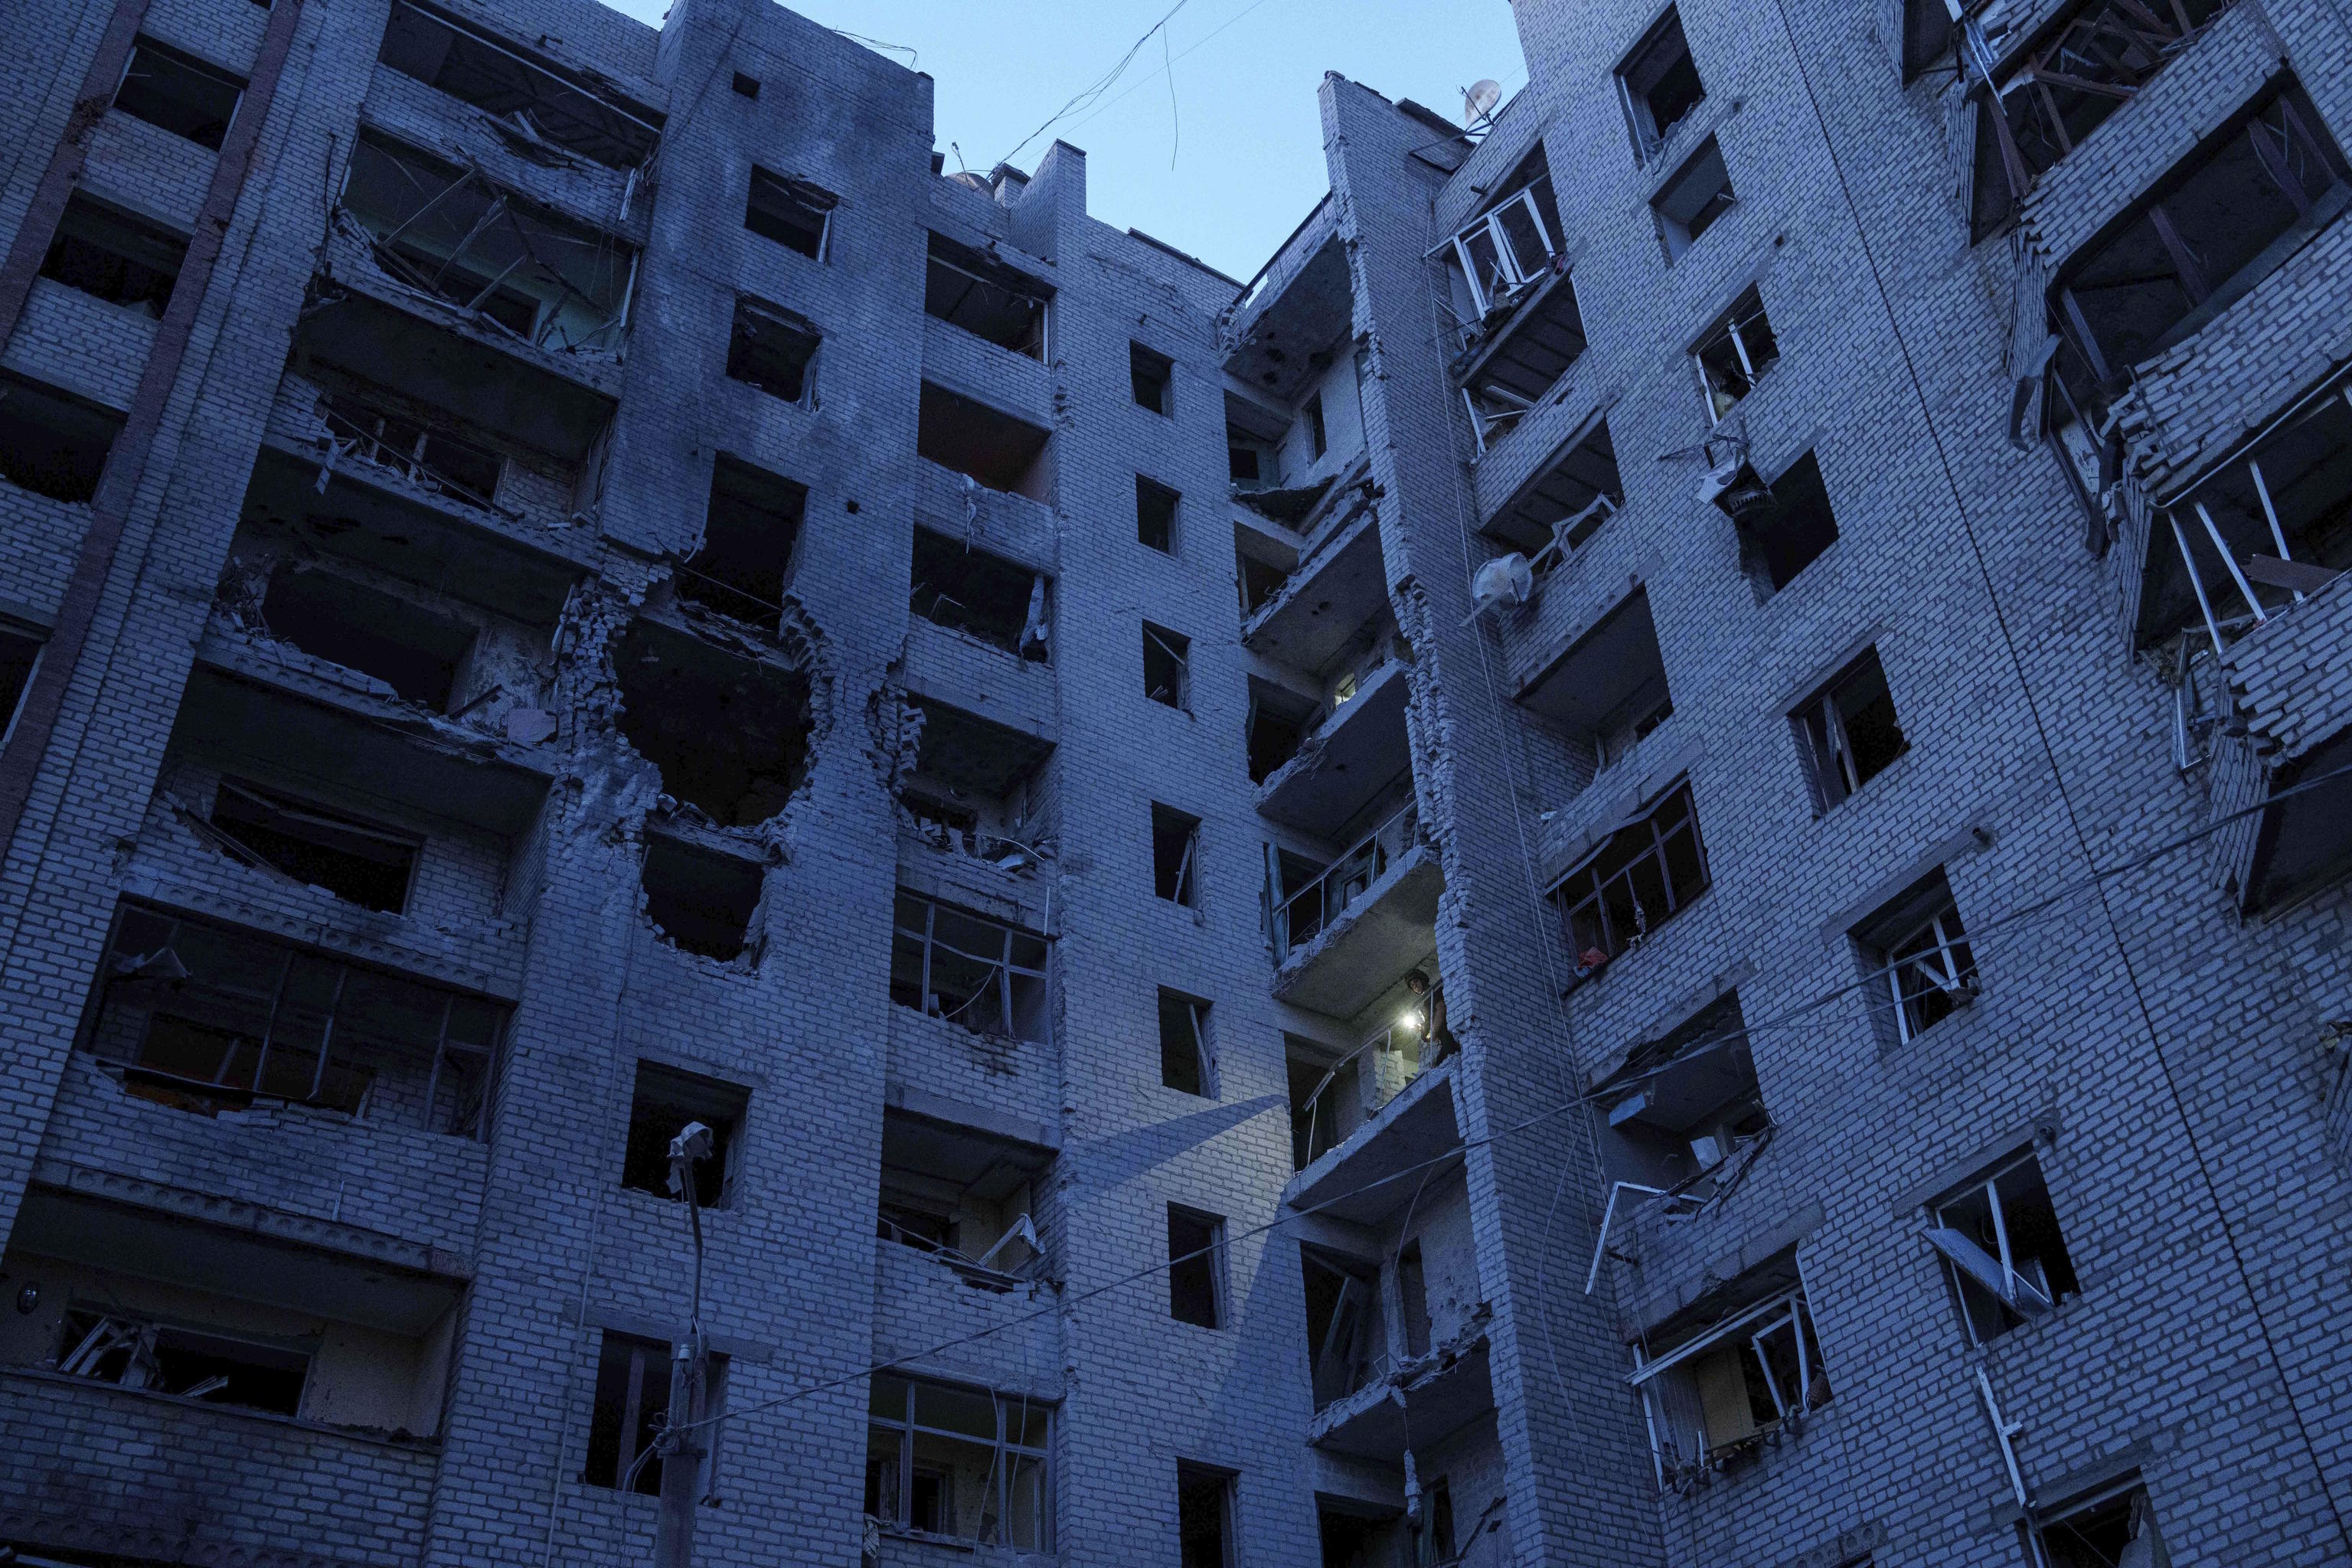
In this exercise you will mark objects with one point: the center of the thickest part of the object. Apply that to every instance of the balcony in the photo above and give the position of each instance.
(1364, 920)
(1344, 763)
(2298, 725)
(1338, 585)
(1441, 1393)
(1301, 302)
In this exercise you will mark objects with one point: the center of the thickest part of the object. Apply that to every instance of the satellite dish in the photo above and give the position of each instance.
(971, 181)
(1478, 100)
(1506, 582)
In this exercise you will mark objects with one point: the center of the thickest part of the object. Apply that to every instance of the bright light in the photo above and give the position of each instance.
(1408, 1021)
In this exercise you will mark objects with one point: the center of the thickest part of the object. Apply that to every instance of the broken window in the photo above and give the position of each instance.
(985, 444)
(1926, 35)
(664, 1102)
(985, 297)
(959, 1463)
(1318, 436)
(1850, 730)
(1278, 720)
(1509, 245)
(398, 641)
(199, 1016)
(1326, 1100)
(361, 861)
(1345, 1341)
(1184, 1060)
(1509, 364)
(701, 901)
(179, 92)
(1687, 205)
(106, 252)
(1167, 667)
(1645, 873)
(2221, 221)
(523, 94)
(1566, 503)
(991, 598)
(2085, 63)
(2112, 1526)
(1307, 900)
(630, 1409)
(745, 560)
(419, 449)
(1735, 355)
(1432, 1543)
(1252, 463)
(772, 349)
(1784, 526)
(964, 1197)
(974, 972)
(1917, 941)
(131, 1349)
(794, 213)
(1724, 1378)
(1175, 855)
(1155, 515)
(1685, 1104)
(1658, 86)
(20, 655)
(980, 788)
(51, 442)
(1196, 1267)
(2003, 1255)
(452, 233)
(729, 733)
(1607, 691)
(1153, 377)
(1259, 579)
(1204, 1517)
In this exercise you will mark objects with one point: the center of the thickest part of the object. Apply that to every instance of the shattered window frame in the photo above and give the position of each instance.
(1018, 974)
(798, 197)
(1825, 721)
(1642, 63)
(156, 106)
(1017, 1512)
(1771, 1348)
(1723, 387)
(1032, 641)
(2020, 1276)
(130, 1349)
(2120, 1507)
(1652, 839)
(1931, 970)
(775, 350)
(1484, 253)
(569, 115)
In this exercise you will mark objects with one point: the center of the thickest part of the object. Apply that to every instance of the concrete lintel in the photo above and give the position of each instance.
(1977, 836)
(922, 1102)
(2043, 1129)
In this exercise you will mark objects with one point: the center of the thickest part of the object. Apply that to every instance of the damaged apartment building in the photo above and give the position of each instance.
(1643, 861)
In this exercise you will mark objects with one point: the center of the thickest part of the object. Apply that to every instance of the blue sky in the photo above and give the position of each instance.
(1243, 134)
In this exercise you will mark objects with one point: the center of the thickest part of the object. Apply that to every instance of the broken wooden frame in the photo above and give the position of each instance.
(2003, 1257)
(978, 974)
(1851, 730)
(1719, 1394)
(959, 1463)
(1300, 916)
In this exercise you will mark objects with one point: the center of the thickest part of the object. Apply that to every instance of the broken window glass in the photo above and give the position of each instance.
(361, 861)
(1184, 1062)
(701, 901)
(985, 297)
(1724, 1380)
(772, 349)
(107, 253)
(131, 1350)
(1850, 730)
(959, 1463)
(1509, 245)
(1167, 667)
(1647, 872)
(1658, 86)
(1930, 971)
(526, 96)
(200, 1016)
(973, 972)
(179, 92)
(794, 213)
(450, 232)
(1204, 1517)
(1689, 204)
(1153, 375)
(999, 602)
(53, 443)
(1345, 1341)
(744, 562)
(1735, 355)
(2002, 1254)
(1196, 1267)
(1175, 851)
(661, 1105)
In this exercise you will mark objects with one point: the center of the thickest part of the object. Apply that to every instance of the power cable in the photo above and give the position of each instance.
(1085, 97)
(1101, 108)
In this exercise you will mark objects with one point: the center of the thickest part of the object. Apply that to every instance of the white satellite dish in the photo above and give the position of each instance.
(1506, 583)
(971, 181)
(1478, 100)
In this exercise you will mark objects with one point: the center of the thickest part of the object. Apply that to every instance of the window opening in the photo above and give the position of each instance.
(973, 972)
(2002, 1253)
(630, 1408)
(1204, 1517)
(963, 1199)
(2114, 1527)
(201, 1016)
(1318, 437)
(1735, 355)
(1277, 722)
(728, 733)
(1690, 202)
(1684, 1106)
(357, 860)
(133, 1350)
(1184, 1060)
(1927, 30)
(1722, 1385)
(663, 1102)
(111, 256)
(1647, 872)
(20, 655)
(1167, 667)
(1326, 1100)
(521, 93)
(1432, 1544)
(1578, 491)
(985, 444)
(1345, 1339)
(747, 85)
(1658, 86)
(1508, 246)
(1413, 1299)
(959, 1463)
(51, 443)
(745, 560)
(794, 213)
(1155, 515)
(1153, 377)
(985, 297)
(1003, 604)
(397, 641)
(772, 349)
(1931, 971)
(1196, 1267)
(701, 901)
(1784, 527)
(1175, 852)
(1850, 731)
(180, 93)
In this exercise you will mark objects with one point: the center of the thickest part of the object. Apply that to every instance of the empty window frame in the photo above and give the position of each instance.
(1413, 1298)
(794, 213)
(1184, 1060)
(180, 93)
(1278, 719)
(1204, 1517)
(1929, 972)
(1784, 527)
(701, 901)
(661, 1105)
(1175, 855)
(750, 530)
(1196, 1267)
(362, 628)
(1319, 435)
(2095, 57)
(1167, 667)
(1647, 872)
(1001, 603)
(1687, 205)
(524, 93)
(2002, 1253)
(417, 449)
(631, 1406)
(20, 655)
(2221, 222)
(1719, 1393)
(1155, 515)
(985, 297)
(1152, 375)
(2111, 1525)
(1346, 1341)
(1326, 1100)
(973, 972)
(1735, 355)
(357, 860)
(1926, 35)
(1850, 730)
(1509, 245)
(1251, 463)
(107, 253)
(775, 350)
(132, 1350)
(746, 86)
(959, 1463)
(53, 443)
(1658, 86)
(200, 1016)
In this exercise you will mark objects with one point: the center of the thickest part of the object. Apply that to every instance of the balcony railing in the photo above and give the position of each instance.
(1306, 914)
(1354, 1089)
